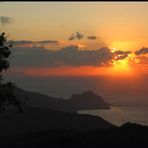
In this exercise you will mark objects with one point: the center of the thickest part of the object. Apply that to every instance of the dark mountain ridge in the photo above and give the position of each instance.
(86, 100)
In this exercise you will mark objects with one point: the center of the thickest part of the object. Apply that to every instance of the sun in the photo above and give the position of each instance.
(121, 65)
(121, 68)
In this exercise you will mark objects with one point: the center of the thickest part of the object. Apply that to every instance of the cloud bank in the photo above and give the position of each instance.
(68, 56)
(39, 56)
(26, 43)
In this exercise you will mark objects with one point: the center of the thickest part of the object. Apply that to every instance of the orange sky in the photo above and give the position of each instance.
(112, 71)
(117, 25)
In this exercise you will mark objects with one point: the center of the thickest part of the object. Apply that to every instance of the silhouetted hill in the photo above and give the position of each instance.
(126, 136)
(36, 119)
(40, 100)
(86, 100)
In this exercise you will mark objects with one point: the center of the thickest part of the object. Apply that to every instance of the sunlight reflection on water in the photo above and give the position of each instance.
(120, 115)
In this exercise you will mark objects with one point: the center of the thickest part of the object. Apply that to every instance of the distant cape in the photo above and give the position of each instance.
(84, 101)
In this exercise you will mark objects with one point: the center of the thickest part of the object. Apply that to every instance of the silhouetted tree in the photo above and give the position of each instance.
(7, 96)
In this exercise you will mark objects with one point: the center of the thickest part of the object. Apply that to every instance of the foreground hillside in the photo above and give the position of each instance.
(37, 119)
(129, 135)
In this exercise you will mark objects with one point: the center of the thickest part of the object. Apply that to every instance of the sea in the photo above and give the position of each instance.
(121, 115)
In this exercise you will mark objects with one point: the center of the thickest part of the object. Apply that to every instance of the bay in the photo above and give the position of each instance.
(120, 115)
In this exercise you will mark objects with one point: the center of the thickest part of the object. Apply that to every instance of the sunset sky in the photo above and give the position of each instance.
(77, 38)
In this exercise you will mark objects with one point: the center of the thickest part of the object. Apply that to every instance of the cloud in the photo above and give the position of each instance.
(5, 20)
(72, 37)
(120, 55)
(92, 37)
(143, 50)
(141, 56)
(104, 56)
(39, 56)
(33, 43)
(47, 42)
(122, 52)
(68, 56)
(77, 35)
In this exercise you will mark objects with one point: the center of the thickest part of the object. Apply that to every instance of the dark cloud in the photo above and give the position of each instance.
(143, 50)
(47, 42)
(122, 52)
(27, 42)
(92, 37)
(71, 55)
(141, 55)
(77, 35)
(120, 55)
(72, 37)
(5, 20)
(38, 56)
(22, 42)
(105, 56)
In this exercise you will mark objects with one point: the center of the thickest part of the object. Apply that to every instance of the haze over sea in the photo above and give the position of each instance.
(116, 92)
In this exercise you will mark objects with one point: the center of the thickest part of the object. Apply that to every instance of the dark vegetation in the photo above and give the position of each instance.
(128, 135)
(7, 96)
(37, 119)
